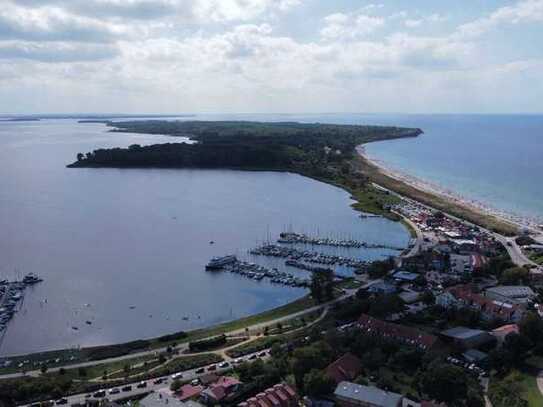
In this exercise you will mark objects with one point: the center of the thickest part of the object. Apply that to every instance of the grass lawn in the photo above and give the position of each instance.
(524, 383)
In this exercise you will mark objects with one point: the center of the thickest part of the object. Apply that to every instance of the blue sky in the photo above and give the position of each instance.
(161, 56)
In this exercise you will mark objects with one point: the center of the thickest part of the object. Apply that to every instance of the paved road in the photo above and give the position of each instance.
(183, 347)
(152, 385)
(514, 251)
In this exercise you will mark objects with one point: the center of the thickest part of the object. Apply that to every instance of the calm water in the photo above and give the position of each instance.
(495, 159)
(105, 240)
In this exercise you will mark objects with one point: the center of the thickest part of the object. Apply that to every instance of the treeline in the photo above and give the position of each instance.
(308, 148)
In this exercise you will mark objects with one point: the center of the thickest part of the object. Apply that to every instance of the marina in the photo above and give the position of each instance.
(300, 238)
(11, 296)
(257, 272)
(273, 250)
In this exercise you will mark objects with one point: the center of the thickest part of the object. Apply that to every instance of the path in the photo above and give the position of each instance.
(184, 346)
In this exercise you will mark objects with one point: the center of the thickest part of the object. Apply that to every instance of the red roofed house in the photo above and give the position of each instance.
(189, 392)
(346, 368)
(220, 390)
(462, 296)
(501, 332)
(397, 333)
(280, 395)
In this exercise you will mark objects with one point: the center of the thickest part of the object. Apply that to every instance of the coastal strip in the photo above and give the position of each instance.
(433, 197)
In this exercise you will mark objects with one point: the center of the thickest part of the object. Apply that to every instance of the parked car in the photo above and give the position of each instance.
(99, 394)
(161, 380)
(177, 375)
(61, 402)
(114, 391)
(141, 385)
(224, 364)
(195, 382)
(252, 357)
(237, 361)
(127, 388)
(200, 370)
(262, 354)
(212, 368)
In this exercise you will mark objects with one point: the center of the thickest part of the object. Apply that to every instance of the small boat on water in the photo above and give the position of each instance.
(31, 278)
(217, 263)
(88, 322)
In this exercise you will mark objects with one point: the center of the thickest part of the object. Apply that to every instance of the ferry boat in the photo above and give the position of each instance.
(217, 263)
(31, 278)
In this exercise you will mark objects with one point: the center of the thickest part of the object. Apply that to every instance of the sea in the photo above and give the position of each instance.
(126, 249)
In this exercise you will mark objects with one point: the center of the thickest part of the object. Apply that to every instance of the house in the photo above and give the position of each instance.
(466, 338)
(189, 392)
(280, 395)
(396, 333)
(382, 287)
(161, 399)
(462, 296)
(501, 332)
(349, 394)
(346, 368)
(222, 389)
(405, 276)
(514, 294)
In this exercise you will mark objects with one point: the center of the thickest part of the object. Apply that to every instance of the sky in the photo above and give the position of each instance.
(271, 56)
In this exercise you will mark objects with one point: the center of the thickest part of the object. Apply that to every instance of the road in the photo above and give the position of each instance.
(184, 346)
(514, 251)
(152, 385)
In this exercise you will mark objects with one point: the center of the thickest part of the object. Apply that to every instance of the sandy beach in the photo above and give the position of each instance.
(533, 224)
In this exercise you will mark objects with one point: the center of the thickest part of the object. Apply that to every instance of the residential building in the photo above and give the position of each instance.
(189, 392)
(462, 296)
(162, 399)
(349, 394)
(397, 333)
(382, 287)
(346, 368)
(466, 338)
(222, 389)
(514, 294)
(501, 332)
(280, 395)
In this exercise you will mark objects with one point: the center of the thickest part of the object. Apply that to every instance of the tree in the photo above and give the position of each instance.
(80, 156)
(61, 371)
(43, 369)
(317, 383)
(82, 372)
(428, 297)
(515, 276)
(443, 382)
(176, 385)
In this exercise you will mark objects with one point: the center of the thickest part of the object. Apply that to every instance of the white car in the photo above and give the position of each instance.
(177, 375)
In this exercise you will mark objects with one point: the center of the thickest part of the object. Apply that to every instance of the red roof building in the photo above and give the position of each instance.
(221, 389)
(189, 392)
(346, 368)
(280, 395)
(397, 333)
(490, 309)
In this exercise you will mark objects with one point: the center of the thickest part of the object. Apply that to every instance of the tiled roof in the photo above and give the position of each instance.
(395, 332)
(279, 395)
(345, 368)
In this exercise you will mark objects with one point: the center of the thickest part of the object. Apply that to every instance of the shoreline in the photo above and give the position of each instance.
(521, 221)
(442, 198)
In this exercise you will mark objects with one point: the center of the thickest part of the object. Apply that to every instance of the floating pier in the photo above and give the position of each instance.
(11, 294)
(273, 250)
(300, 238)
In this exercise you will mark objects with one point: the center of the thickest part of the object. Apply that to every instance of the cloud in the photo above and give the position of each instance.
(527, 11)
(56, 52)
(432, 18)
(55, 24)
(349, 25)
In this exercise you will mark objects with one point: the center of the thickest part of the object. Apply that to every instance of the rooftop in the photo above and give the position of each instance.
(461, 332)
(367, 394)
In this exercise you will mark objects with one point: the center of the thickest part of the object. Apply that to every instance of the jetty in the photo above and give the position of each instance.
(300, 238)
(257, 272)
(11, 295)
(273, 250)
